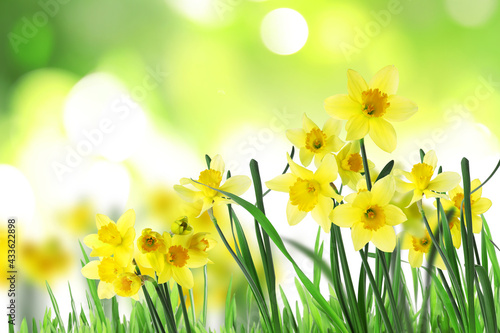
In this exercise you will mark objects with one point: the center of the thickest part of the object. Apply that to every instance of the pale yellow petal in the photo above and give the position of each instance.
(477, 224)
(406, 240)
(103, 251)
(415, 258)
(386, 80)
(237, 185)
(92, 241)
(129, 237)
(383, 134)
(384, 238)
(217, 164)
(357, 127)
(322, 211)
(207, 204)
(481, 206)
(187, 194)
(444, 182)
(91, 270)
(342, 107)
(394, 215)
(430, 158)
(383, 191)
(400, 109)
(297, 137)
(166, 274)
(298, 170)
(105, 290)
(332, 127)
(305, 156)
(123, 255)
(457, 190)
(346, 215)
(281, 183)
(360, 236)
(327, 171)
(307, 124)
(293, 214)
(334, 144)
(183, 276)
(197, 258)
(417, 195)
(102, 220)
(438, 261)
(355, 85)
(476, 195)
(126, 221)
(363, 200)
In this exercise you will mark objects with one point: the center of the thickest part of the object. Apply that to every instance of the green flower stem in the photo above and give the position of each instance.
(164, 297)
(184, 309)
(365, 165)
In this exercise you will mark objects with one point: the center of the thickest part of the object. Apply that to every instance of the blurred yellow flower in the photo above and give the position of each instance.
(350, 164)
(421, 183)
(178, 260)
(181, 226)
(419, 244)
(368, 107)
(107, 270)
(313, 142)
(309, 192)
(479, 206)
(371, 217)
(212, 177)
(113, 238)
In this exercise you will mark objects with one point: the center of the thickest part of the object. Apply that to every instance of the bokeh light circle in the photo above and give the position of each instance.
(284, 31)
(471, 13)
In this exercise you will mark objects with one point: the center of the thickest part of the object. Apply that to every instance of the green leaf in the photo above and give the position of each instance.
(487, 297)
(56, 307)
(386, 170)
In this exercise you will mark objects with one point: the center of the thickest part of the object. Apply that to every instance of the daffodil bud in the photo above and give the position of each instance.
(181, 226)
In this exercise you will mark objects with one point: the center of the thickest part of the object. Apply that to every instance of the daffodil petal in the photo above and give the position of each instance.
(477, 224)
(363, 200)
(357, 127)
(384, 238)
(394, 215)
(430, 158)
(383, 191)
(360, 236)
(123, 255)
(281, 183)
(444, 182)
(293, 214)
(103, 251)
(183, 276)
(481, 206)
(406, 240)
(166, 274)
(327, 171)
(305, 156)
(476, 195)
(126, 221)
(129, 237)
(438, 261)
(383, 134)
(102, 220)
(297, 170)
(236, 185)
(322, 211)
(91, 270)
(307, 124)
(342, 107)
(346, 215)
(386, 80)
(197, 258)
(105, 290)
(186, 194)
(400, 109)
(332, 127)
(92, 241)
(297, 137)
(417, 195)
(217, 164)
(404, 187)
(415, 258)
(355, 85)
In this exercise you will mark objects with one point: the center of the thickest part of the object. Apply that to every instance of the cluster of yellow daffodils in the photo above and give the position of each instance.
(122, 269)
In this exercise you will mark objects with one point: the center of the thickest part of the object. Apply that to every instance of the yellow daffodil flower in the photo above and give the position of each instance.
(107, 270)
(419, 243)
(350, 164)
(127, 285)
(314, 142)
(200, 243)
(479, 206)
(153, 246)
(421, 182)
(212, 177)
(368, 108)
(178, 260)
(371, 217)
(113, 238)
(309, 192)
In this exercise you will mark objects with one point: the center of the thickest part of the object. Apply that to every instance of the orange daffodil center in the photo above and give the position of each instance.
(371, 217)
(309, 192)
(374, 103)
(350, 164)
(204, 190)
(353, 162)
(368, 108)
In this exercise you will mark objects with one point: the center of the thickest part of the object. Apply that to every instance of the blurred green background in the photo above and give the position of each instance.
(104, 105)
